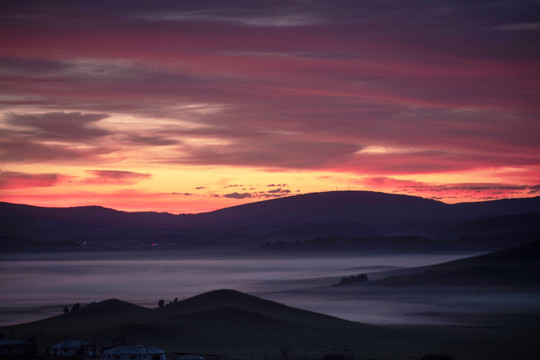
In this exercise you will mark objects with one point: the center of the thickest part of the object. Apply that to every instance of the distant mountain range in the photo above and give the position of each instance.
(340, 214)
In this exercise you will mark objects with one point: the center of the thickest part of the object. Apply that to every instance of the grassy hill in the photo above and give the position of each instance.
(231, 324)
(516, 267)
(222, 321)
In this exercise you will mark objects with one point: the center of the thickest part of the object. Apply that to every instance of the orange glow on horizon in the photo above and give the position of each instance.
(183, 192)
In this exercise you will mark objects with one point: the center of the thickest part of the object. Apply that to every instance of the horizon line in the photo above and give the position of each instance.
(266, 200)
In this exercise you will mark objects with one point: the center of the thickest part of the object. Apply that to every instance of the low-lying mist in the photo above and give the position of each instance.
(35, 286)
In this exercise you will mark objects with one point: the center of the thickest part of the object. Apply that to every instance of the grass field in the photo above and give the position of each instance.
(231, 324)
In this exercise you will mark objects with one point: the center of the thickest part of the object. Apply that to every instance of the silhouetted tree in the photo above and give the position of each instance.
(175, 300)
(75, 307)
(66, 309)
(161, 303)
(353, 279)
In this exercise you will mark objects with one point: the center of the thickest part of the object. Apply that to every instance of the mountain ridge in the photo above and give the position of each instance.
(367, 197)
(26, 226)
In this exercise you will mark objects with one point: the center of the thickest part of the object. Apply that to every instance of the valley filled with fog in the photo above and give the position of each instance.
(39, 285)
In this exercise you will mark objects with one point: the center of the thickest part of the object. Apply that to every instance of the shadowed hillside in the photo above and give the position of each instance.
(233, 324)
(95, 318)
(225, 321)
(498, 224)
(517, 267)
(341, 214)
(495, 232)
(215, 301)
(364, 245)
(313, 231)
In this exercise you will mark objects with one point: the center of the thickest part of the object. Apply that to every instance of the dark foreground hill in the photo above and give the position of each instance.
(295, 218)
(224, 321)
(228, 323)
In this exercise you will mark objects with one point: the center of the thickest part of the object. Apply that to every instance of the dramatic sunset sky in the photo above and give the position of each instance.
(190, 106)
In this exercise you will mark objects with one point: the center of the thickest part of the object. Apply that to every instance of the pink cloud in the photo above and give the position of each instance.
(115, 177)
(383, 181)
(54, 136)
(298, 87)
(20, 180)
(57, 125)
(16, 149)
(455, 192)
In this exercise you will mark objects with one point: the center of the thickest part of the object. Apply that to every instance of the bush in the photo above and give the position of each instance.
(353, 279)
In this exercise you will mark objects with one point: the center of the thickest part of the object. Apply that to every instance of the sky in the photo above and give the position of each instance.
(192, 106)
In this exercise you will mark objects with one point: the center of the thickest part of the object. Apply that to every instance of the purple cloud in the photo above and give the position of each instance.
(279, 191)
(115, 177)
(16, 149)
(20, 180)
(57, 126)
(236, 195)
(311, 85)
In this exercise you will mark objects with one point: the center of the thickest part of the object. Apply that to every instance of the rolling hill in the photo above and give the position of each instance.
(513, 268)
(300, 217)
(230, 324)
(224, 321)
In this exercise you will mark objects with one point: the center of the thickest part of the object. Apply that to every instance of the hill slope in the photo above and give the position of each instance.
(29, 227)
(225, 321)
(232, 324)
(517, 267)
